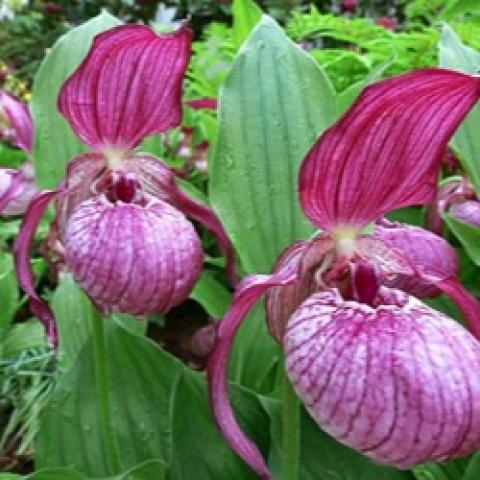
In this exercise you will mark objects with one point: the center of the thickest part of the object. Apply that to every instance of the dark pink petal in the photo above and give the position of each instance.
(160, 181)
(20, 120)
(246, 295)
(398, 382)
(384, 152)
(129, 86)
(203, 103)
(427, 252)
(25, 274)
(130, 257)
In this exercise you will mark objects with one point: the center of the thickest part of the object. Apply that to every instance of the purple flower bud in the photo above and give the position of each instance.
(349, 5)
(133, 256)
(467, 211)
(16, 124)
(397, 381)
(17, 188)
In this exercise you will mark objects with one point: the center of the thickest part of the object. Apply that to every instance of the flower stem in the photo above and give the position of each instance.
(103, 391)
(291, 432)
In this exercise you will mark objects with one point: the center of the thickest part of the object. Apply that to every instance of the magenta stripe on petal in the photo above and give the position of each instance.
(246, 295)
(398, 382)
(20, 119)
(384, 152)
(203, 103)
(129, 86)
(25, 273)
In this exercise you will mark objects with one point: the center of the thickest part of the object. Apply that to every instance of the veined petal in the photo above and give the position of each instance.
(135, 258)
(17, 188)
(23, 266)
(384, 152)
(20, 120)
(398, 381)
(129, 86)
(427, 252)
(246, 295)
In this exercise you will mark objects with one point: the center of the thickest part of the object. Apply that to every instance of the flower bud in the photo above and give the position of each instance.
(134, 257)
(397, 381)
(467, 211)
(17, 188)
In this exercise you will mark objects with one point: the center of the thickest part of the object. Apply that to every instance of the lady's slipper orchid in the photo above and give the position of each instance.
(373, 364)
(121, 215)
(17, 187)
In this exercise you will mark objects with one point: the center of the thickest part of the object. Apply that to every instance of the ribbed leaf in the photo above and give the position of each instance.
(455, 55)
(104, 421)
(8, 290)
(56, 143)
(274, 104)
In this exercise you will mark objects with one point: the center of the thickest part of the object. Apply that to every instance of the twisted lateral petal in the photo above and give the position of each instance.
(384, 152)
(132, 258)
(246, 295)
(129, 86)
(25, 274)
(398, 382)
(160, 181)
(82, 172)
(20, 120)
(282, 301)
(429, 253)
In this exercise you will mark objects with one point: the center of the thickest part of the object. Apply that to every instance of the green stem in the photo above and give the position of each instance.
(103, 392)
(291, 432)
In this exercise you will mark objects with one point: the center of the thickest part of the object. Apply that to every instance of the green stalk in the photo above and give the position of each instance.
(291, 432)
(103, 392)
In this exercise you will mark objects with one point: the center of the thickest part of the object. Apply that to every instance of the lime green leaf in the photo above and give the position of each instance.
(56, 143)
(455, 8)
(469, 236)
(246, 14)
(457, 56)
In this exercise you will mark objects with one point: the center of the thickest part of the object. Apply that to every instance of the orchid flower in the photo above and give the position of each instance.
(17, 187)
(120, 215)
(376, 368)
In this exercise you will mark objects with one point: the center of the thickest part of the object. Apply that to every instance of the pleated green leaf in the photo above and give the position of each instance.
(275, 103)
(55, 142)
(111, 411)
